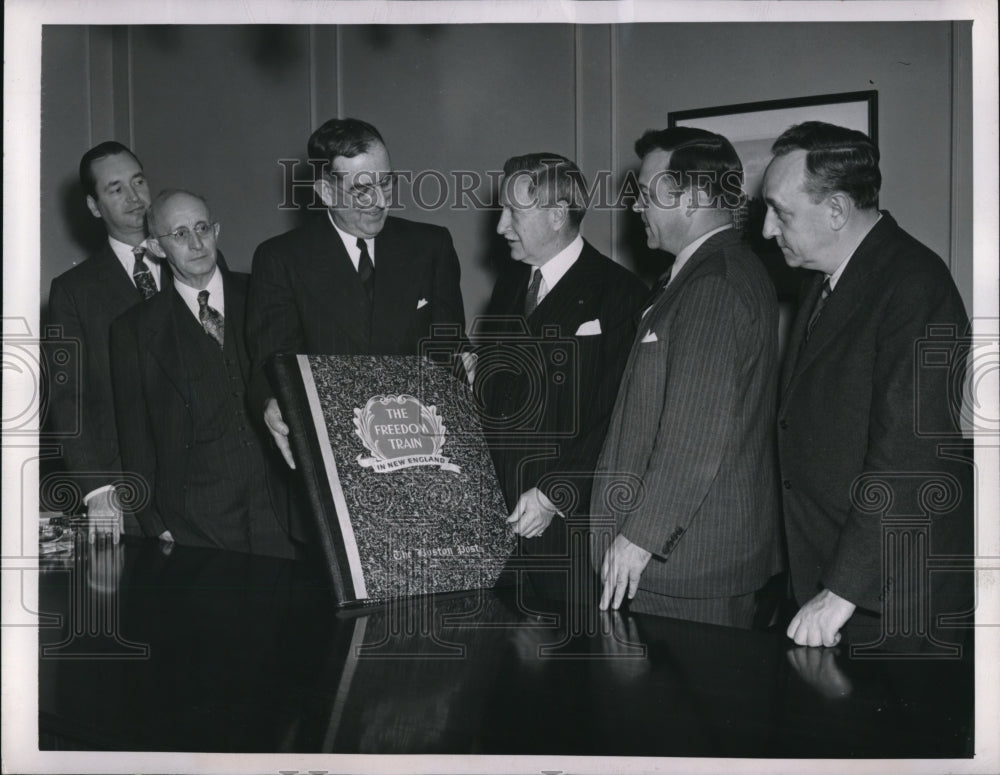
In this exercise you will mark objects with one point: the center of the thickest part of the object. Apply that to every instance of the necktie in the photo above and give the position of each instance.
(141, 275)
(820, 302)
(531, 298)
(366, 270)
(213, 323)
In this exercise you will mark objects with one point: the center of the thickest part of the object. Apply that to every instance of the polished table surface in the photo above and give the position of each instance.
(200, 650)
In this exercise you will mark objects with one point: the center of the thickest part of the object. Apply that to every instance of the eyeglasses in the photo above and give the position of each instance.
(366, 194)
(183, 233)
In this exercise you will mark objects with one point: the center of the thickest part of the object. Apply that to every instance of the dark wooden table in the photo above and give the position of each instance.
(199, 650)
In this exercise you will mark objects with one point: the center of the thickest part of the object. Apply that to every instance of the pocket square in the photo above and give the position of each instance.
(590, 328)
(649, 337)
(422, 303)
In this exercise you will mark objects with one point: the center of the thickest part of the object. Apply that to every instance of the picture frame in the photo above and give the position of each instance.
(752, 127)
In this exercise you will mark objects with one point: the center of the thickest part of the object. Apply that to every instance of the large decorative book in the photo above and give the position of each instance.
(400, 483)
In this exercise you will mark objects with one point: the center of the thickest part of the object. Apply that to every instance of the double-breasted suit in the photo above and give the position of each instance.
(306, 296)
(862, 414)
(692, 432)
(180, 403)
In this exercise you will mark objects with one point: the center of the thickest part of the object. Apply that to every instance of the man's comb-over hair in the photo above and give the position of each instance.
(837, 159)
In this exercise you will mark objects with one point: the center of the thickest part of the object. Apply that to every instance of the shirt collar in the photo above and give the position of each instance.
(351, 243)
(554, 269)
(216, 296)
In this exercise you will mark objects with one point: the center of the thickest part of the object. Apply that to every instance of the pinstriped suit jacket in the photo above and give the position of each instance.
(694, 421)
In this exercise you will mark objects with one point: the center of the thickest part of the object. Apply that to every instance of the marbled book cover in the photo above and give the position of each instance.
(400, 478)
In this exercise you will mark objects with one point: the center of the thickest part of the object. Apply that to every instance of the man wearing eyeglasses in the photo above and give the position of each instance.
(83, 302)
(179, 367)
(694, 417)
(353, 281)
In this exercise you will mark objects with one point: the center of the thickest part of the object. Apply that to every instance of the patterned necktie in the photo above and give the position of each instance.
(531, 298)
(213, 323)
(366, 270)
(820, 302)
(141, 275)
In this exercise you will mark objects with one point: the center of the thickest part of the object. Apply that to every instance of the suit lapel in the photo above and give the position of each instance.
(395, 300)
(113, 278)
(851, 291)
(337, 280)
(690, 269)
(235, 317)
(808, 299)
(163, 341)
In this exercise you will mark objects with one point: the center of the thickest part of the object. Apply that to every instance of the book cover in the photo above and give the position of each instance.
(400, 482)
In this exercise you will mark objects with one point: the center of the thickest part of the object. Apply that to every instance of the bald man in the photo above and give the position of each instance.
(179, 372)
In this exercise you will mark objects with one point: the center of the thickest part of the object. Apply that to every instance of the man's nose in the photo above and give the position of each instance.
(770, 229)
(504, 223)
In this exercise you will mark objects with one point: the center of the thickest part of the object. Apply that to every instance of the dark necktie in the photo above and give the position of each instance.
(141, 275)
(531, 298)
(366, 270)
(213, 323)
(820, 302)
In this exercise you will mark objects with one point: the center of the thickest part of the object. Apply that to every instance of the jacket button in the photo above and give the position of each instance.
(786, 484)
(783, 425)
(187, 446)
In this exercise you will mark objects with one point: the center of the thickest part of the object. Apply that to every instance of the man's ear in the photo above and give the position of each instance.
(153, 246)
(558, 214)
(324, 188)
(92, 206)
(840, 207)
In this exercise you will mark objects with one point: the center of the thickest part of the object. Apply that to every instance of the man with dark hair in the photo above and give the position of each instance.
(179, 366)
(545, 414)
(84, 300)
(694, 417)
(353, 281)
(853, 391)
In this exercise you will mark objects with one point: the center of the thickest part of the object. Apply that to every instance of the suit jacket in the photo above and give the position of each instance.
(306, 297)
(183, 426)
(693, 423)
(84, 301)
(546, 391)
(856, 402)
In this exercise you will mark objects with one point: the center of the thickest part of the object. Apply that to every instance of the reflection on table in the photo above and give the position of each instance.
(169, 648)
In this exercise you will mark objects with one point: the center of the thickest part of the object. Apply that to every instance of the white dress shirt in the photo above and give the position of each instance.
(351, 244)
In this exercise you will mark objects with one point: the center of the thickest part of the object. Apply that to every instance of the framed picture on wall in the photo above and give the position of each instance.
(752, 127)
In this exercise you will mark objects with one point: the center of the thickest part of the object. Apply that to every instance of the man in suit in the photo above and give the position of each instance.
(694, 415)
(179, 368)
(855, 407)
(353, 281)
(559, 324)
(84, 300)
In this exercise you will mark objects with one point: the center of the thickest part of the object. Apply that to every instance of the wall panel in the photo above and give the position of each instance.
(463, 97)
(214, 109)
